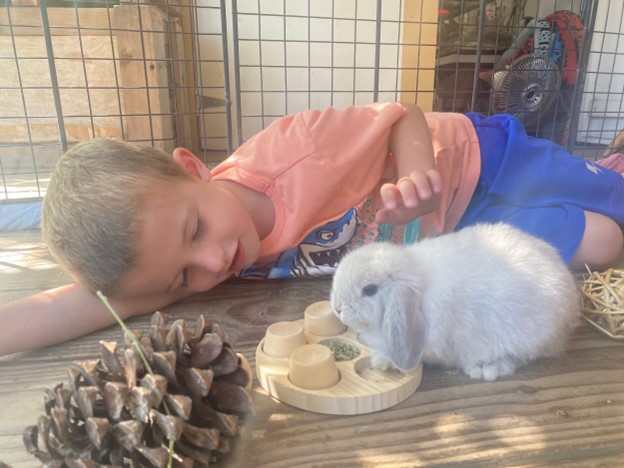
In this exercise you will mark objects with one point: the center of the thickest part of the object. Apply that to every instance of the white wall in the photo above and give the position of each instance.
(296, 55)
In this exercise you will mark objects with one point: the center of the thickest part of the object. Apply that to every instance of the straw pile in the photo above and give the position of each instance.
(603, 302)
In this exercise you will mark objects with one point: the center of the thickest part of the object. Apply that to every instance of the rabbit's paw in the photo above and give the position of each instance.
(381, 362)
(492, 370)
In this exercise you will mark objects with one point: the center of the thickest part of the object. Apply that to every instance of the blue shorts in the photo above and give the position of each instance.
(537, 186)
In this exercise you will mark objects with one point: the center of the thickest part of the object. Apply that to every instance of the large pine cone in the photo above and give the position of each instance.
(114, 412)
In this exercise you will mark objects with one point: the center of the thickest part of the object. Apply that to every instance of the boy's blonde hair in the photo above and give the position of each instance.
(91, 211)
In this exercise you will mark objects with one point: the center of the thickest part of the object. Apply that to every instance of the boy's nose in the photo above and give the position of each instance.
(213, 259)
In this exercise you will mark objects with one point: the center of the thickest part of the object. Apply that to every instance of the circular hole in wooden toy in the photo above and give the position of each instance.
(319, 319)
(312, 367)
(342, 350)
(364, 369)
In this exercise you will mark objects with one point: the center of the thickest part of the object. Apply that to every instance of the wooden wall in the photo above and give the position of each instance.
(124, 72)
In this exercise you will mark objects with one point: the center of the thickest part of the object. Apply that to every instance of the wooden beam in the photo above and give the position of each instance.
(185, 99)
(144, 75)
(24, 2)
(418, 54)
(183, 29)
(26, 21)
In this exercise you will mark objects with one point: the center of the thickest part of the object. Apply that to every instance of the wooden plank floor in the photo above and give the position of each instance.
(567, 411)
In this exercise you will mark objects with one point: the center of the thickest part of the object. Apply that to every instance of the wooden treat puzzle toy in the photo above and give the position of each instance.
(318, 364)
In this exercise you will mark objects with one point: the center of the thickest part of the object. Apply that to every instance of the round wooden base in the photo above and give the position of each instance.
(360, 389)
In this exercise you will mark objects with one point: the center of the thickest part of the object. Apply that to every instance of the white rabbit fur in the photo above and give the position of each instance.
(485, 299)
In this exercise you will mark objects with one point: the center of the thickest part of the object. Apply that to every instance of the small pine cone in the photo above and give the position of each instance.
(115, 411)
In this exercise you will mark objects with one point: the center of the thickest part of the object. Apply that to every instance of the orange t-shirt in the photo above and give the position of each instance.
(317, 165)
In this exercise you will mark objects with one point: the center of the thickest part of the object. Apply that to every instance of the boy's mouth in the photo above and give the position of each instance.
(239, 258)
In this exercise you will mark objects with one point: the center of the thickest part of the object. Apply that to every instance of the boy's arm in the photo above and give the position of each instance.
(64, 313)
(418, 185)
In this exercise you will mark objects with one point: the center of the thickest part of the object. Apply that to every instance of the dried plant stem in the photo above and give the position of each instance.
(127, 331)
(137, 346)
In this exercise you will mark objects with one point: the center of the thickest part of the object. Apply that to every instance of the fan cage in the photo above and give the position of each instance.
(528, 89)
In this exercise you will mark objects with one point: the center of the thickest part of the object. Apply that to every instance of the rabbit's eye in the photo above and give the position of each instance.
(369, 290)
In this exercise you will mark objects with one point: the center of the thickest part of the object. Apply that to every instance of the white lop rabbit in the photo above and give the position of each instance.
(484, 299)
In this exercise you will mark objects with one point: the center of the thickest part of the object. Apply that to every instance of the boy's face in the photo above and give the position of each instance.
(194, 234)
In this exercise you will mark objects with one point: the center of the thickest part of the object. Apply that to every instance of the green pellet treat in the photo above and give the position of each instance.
(343, 351)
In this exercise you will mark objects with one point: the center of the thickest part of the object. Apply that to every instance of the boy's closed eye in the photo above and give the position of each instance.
(198, 231)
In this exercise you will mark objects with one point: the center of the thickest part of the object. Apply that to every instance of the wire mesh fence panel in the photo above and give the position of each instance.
(516, 57)
(290, 56)
(208, 74)
(601, 113)
(91, 69)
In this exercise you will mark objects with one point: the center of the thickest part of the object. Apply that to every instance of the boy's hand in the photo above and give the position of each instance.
(410, 198)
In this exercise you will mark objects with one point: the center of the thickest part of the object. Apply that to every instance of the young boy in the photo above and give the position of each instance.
(149, 230)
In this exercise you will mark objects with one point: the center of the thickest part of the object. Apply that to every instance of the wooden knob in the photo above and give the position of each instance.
(313, 367)
(319, 319)
(282, 338)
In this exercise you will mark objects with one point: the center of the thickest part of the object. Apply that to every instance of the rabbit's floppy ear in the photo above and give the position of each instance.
(403, 327)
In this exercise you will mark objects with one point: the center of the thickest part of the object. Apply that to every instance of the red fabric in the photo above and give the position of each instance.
(615, 162)
(571, 29)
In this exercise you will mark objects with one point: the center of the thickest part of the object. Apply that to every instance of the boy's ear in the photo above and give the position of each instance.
(191, 164)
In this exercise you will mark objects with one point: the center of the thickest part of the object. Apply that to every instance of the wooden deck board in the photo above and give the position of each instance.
(567, 411)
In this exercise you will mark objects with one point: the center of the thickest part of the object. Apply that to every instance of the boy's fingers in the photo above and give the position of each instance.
(435, 180)
(409, 191)
(389, 195)
(422, 183)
